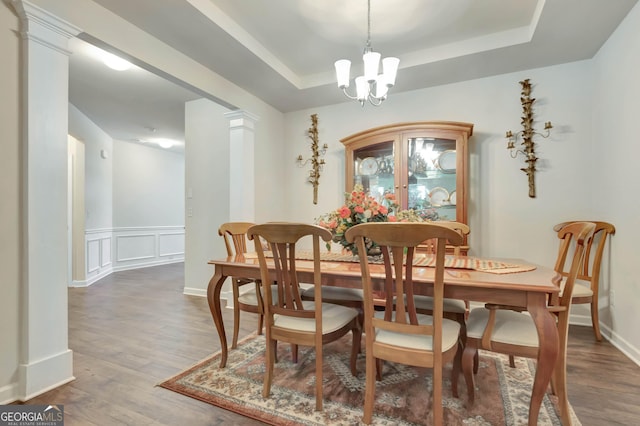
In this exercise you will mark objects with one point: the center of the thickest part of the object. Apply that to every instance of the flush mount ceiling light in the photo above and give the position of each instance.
(371, 86)
(164, 143)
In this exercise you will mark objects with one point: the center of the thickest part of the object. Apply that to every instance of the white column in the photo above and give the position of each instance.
(242, 183)
(45, 357)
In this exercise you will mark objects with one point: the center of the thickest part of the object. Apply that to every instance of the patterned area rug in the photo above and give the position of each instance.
(402, 398)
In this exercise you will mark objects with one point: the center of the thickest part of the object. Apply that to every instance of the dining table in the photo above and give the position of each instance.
(529, 288)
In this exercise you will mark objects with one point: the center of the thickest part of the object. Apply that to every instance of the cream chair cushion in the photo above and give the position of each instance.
(334, 317)
(448, 305)
(336, 293)
(515, 328)
(580, 289)
(450, 334)
(249, 297)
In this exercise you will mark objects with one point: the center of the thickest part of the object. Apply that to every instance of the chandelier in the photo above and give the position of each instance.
(371, 86)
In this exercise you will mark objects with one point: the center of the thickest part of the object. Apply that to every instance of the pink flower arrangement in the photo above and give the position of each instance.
(360, 207)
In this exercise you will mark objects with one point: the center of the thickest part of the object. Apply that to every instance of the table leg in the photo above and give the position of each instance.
(547, 351)
(213, 296)
(560, 372)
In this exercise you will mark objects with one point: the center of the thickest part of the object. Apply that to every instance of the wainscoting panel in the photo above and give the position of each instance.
(93, 256)
(105, 252)
(171, 244)
(135, 247)
(98, 256)
(119, 249)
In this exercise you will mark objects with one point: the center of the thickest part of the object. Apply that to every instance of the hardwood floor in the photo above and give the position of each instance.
(133, 329)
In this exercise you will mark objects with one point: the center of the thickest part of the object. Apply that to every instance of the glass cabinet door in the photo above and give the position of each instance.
(431, 177)
(374, 168)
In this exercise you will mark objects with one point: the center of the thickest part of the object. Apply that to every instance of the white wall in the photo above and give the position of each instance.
(207, 183)
(207, 157)
(616, 174)
(98, 170)
(10, 208)
(148, 186)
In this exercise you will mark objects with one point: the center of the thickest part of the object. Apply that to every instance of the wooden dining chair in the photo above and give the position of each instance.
(399, 333)
(588, 280)
(247, 299)
(587, 283)
(287, 317)
(511, 331)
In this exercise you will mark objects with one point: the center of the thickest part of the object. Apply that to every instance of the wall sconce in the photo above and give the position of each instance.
(317, 163)
(527, 133)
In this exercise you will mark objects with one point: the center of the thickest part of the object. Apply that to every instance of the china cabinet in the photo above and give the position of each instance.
(425, 164)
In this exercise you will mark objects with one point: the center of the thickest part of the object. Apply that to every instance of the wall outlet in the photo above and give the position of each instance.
(190, 212)
(612, 298)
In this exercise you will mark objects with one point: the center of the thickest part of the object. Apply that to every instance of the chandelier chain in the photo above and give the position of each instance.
(368, 23)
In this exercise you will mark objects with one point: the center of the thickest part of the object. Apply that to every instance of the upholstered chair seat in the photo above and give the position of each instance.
(334, 317)
(450, 333)
(511, 327)
(425, 303)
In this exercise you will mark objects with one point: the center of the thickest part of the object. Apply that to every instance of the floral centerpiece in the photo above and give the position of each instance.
(360, 207)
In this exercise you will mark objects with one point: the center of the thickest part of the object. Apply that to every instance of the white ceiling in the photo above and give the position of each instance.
(283, 50)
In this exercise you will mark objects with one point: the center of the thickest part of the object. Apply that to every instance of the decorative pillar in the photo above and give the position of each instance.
(45, 357)
(242, 184)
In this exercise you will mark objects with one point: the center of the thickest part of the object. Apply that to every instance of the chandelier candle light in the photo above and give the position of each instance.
(316, 152)
(371, 86)
(527, 133)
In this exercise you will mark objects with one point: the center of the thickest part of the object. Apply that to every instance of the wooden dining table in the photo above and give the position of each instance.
(530, 290)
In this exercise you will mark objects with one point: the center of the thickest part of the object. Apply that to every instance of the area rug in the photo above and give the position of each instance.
(403, 397)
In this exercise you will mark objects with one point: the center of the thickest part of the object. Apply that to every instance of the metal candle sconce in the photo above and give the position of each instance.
(527, 134)
(316, 152)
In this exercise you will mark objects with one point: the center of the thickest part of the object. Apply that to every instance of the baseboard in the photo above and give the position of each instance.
(147, 264)
(43, 375)
(625, 347)
(621, 344)
(226, 297)
(92, 279)
(80, 283)
(109, 271)
(193, 291)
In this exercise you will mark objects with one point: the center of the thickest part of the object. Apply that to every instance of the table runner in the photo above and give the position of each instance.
(456, 262)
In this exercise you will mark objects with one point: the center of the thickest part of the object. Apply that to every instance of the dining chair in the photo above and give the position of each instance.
(587, 283)
(588, 280)
(399, 333)
(287, 317)
(249, 300)
(510, 330)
